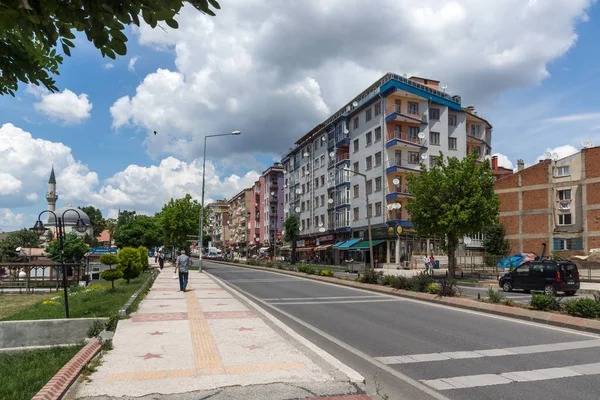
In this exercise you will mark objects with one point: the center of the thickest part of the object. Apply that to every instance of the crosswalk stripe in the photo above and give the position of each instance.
(471, 381)
(509, 351)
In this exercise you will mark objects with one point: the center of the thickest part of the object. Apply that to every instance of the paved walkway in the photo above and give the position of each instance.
(205, 340)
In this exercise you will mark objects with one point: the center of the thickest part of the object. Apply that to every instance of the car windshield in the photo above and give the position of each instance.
(570, 270)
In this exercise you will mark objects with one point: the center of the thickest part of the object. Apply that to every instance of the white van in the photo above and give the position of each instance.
(214, 252)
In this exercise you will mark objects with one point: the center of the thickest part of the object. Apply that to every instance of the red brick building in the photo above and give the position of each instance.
(556, 202)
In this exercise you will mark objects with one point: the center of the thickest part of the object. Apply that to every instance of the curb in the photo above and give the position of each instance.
(64, 378)
(126, 309)
(542, 317)
(495, 284)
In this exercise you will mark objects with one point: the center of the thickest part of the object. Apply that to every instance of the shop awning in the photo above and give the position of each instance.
(305, 249)
(364, 245)
(338, 244)
(324, 247)
(349, 243)
(284, 248)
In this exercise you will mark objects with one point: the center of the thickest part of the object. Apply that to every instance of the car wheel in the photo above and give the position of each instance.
(550, 290)
(570, 292)
(507, 286)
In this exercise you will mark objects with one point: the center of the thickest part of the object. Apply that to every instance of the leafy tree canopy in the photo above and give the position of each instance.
(23, 238)
(31, 31)
(179, 220)
(143, 256)
(291, 228)
(109, 259)
(452, 199)
(494, 242)
(74, 249)
(137, 230)
(98, 223)
(129, 263)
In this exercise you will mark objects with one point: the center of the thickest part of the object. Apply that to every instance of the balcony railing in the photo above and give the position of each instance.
(412, 162)
(394, 215)
(403, 136)
(564, 204)
(411, 112)
(343, 157)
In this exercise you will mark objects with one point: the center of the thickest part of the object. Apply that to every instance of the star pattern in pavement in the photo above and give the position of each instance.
(255, 347)
(242, 329)
(148, 356)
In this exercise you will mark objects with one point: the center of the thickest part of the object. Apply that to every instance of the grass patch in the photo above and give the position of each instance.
(97, 300)
(23, 374)
(13, 303)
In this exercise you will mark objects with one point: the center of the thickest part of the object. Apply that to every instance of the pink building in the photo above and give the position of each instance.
(266, 205)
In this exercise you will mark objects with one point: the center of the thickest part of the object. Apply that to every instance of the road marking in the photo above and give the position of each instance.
(337, 302)
(321, 298)
(332, 360)
(509, 351)
(263, 280)
(471, 381)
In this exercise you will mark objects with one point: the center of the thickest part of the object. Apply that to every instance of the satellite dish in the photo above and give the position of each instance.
(554, 156)
(424, 156)
(467, 240)
(320, 224)
(587, 144)
(297, 209)
(305, 154)
(307, 172)
(332, 154)
(322, 230)
(299, 191)
(272, 193)
(396, 181)
(421, 135)
(547, 155)
(348, 109)
(346, 131)
(488, 157)
(284, 172)
(444, 87)
(355, 104)
(330, 201)
(323, 138)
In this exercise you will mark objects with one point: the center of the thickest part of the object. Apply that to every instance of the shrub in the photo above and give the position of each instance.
(307, 269)
(447, 287)
(75, 288)
(585, 308)
(495, 296)
(111, 324)
(129, 263)
(420, 282)
(326, 272)
(95, 329)
(111, 275)
(372, 276)
(432, 288)
(269, 265)
(401, 282)
(509, 302)
(143, 256)
(388, 280)
(544, 302)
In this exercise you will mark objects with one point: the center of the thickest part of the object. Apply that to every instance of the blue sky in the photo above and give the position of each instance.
(274, 70)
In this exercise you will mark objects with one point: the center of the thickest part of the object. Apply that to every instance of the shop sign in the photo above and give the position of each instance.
(300, 243)
(328, 238)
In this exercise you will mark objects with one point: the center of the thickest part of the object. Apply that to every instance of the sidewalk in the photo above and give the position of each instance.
(208, 342)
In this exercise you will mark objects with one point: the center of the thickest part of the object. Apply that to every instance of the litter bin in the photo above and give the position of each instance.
(436, 264)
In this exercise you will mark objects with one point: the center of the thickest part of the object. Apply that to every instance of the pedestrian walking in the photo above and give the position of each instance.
(161, 260)
(182, 264)
(155, 255)
(431, 263)
(426, 261)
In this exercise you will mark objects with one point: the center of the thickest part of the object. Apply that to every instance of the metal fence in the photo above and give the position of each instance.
(28, 277)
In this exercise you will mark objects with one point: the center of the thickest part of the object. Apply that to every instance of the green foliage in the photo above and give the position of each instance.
(292, 233)
(495, 242)
(109, 259)
(179, 219)
(387, 280)
(509, 302)
(433, 288)
(371, 276)
(24, 238)
(447, 287)
(307, 269)
(137, 230)
(96, 219)
(111, 275)
(326, 272)
(545, 302)
(584, 308)
(143, 256)
(74, 249)
(452, 199)
(129, 263)
(401, 283)
(95, 329)
(420, 282)
(113, 320)
(495, 296)
(31, 32)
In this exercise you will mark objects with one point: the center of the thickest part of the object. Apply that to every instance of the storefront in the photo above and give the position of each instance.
(403, 243)
(324, 249)
(305, 250)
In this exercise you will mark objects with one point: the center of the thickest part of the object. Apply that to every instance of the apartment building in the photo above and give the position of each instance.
(556, 201)
(266, 203)
(384, 134)
(240, 234)
(218, 223)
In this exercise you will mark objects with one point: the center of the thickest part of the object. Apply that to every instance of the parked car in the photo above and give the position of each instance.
(549, 276)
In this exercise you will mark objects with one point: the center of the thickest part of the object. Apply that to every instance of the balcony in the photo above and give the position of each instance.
(563, 204)
(398, 192)
(405, 114)
(395, 138)
(402, 165)
(394, 215)
(343, 157)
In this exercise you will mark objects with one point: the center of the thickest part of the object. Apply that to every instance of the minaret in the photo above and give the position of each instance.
(51, 196)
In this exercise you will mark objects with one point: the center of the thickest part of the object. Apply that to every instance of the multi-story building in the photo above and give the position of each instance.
(240, 235)
(556, 201)
(218, 223)
(266, 203)
(384, 133)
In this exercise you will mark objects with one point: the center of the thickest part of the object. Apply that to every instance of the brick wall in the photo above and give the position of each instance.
(593, 220)
(515, 246)
(507, 182)
(535, 223)
(592, 162)
(535, 199)
(509, 201)
(511, 224)
(593, 242)
(537, 174)
(593, 193)
(535, 245)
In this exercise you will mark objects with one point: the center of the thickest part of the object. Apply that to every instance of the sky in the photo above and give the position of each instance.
(273, 70)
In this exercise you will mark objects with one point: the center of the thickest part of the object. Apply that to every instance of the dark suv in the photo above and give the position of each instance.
(547, 275)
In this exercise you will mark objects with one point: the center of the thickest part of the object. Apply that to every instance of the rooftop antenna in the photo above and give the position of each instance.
(444, 87)
(547, 155)
(554, 156)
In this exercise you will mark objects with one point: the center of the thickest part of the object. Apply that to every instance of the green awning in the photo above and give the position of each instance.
(364, 245)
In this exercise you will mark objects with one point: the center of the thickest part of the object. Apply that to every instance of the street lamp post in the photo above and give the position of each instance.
(200, 236)
(80, 226)
(368, 215)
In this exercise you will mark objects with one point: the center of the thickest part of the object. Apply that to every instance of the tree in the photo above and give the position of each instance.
(23, 238)
(74, 249)
(143, 256)
(31, 31)
(129, 263)
(111, 225)
(178, 221)
(291, 227)
(111, 275)
(137, 230)
(452, 199)
(494, 242)
(109, 259)
(96, 219)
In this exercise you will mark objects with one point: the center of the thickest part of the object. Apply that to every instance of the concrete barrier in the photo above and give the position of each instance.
(46, 332)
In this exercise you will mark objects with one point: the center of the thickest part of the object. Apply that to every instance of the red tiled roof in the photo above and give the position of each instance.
(104, 236)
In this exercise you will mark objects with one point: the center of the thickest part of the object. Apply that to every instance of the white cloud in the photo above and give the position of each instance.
(504, 161)
(560, 151)
(286, 66)
(9, 220)
(108, 66)
(574, 118)
(131, 65)
(65, 106)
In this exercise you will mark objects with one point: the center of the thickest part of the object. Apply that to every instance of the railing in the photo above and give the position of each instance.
(420, 86)
(402, 162)
(343, 157)
(399, 189)
(411, 112)
(564, 204)
(394, 215)
(403, 136)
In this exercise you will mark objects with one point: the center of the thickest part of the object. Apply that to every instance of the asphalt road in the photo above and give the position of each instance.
(408, 349)
(518, 296)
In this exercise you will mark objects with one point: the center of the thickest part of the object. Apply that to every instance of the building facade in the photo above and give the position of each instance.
(384, 133)
(240, 234)
(218, 223)
(556, 202)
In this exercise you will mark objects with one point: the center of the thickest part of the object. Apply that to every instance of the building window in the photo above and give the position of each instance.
(475, 129)
(377, 108)
(322, 219)
(356, 167)
(562, 171)
(567, 244)
(413, 133)
(370, 210)
(565, 219)
(377, 134)
(303, 171)
(433, 160)
(434, 113)
(303, 189)
(413, 108)
(356, 191)
(322, 180)
(316, 221)
(369, 138)
(303, 225)
(316, 183)
(378, 209)
(356, 123)
(355, 145)
(356, 213)
(434, 138)
(322, 200)
(369, 162)
(564, 194)
(377, 184)
(323, 160)
(316, 146)
(452, 143)
(307, 223)
(370, 186)
(368, 114)
(451, 120)
(378, 158)
(413, 157)
(316, 163)
(316, 202)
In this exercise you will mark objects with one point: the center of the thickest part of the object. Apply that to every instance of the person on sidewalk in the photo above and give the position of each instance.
(182, 264)
(155, 255)
(431, 264)
(426, 262)
(161, 260)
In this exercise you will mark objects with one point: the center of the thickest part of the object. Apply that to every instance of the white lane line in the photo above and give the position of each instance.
(471, 381)
(334, 302)
(262, 280)
(509, 351)
(321, 298)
